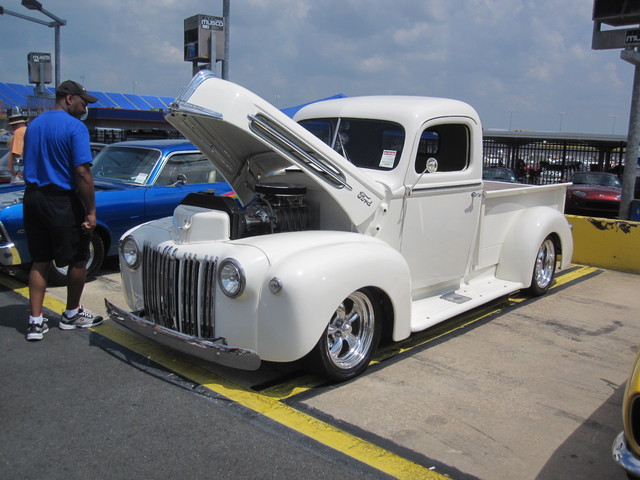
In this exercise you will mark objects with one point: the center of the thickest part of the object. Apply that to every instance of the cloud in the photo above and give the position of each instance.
(498, 55)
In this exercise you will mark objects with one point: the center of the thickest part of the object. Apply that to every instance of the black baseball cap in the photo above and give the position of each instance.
(69, 87)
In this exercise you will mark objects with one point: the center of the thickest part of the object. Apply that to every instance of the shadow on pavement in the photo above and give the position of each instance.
(595, 437)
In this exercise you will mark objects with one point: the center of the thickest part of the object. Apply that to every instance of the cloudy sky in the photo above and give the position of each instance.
(523, 64)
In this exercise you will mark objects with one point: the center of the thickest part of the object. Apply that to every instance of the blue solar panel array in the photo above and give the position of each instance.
(12, 94)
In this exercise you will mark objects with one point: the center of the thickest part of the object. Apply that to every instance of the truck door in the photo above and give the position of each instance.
(442, 204)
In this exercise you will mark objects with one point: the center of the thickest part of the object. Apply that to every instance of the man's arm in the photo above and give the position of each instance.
(86, 192)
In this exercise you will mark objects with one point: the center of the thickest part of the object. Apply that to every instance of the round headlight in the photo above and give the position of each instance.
(231, 278)
(130, 252)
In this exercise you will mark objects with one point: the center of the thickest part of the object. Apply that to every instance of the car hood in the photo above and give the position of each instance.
(595, 189)
(13, 196)
(247, 139)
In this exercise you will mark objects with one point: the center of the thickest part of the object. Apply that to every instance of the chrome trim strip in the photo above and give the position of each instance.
(181, 103)
(259, 125)
(179, 107)
(464, 186)
(203, 349)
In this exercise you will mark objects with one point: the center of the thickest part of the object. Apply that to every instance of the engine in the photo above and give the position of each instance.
(276, 208)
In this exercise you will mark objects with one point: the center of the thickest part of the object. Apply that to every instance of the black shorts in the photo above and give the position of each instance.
(53, 225)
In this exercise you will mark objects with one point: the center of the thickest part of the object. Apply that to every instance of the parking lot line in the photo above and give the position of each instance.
(274, 409)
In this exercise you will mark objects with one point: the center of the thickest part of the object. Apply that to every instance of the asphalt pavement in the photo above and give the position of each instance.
(522, 389)
(78, 406)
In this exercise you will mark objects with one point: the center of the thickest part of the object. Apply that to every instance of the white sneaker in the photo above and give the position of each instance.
(82, 319)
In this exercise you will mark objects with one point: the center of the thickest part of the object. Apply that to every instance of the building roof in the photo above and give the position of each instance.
(13, 94)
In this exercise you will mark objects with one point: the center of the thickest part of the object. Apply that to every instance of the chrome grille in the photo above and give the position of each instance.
(179, 292)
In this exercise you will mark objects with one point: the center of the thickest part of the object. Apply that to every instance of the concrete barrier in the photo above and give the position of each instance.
(606, 243)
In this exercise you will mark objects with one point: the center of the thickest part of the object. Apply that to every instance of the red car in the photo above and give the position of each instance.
(594, 194)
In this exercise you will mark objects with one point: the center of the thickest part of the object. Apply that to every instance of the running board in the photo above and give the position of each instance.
(430, 311)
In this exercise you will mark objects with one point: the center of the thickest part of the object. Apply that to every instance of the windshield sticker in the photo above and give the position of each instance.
(388, 158)
(141, 178)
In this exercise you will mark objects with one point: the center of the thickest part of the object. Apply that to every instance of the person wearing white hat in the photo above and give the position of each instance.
(18, 123)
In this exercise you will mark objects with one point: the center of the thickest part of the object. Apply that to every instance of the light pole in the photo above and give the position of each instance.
(55, 24)
(561, 115)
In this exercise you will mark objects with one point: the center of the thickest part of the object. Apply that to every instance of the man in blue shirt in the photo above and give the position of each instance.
(59, 205)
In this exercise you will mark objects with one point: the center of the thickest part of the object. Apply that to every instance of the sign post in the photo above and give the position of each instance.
(618, 13)
(39, 69)
(204, 41)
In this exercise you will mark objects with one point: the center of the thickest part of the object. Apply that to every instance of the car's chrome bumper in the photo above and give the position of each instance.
(625, 457)
(9, 254)
(204, 349)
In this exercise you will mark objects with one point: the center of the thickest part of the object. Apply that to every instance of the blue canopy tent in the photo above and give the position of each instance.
(291, 111)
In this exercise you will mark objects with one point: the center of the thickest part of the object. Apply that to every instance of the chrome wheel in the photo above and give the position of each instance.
(544, 267)
(345, 348)
(351, 331)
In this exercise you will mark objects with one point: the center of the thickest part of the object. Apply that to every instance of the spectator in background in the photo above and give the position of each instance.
(18, 123)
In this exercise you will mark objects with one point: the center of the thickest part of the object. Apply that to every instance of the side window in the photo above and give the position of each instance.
(194, 166)
(443, 148)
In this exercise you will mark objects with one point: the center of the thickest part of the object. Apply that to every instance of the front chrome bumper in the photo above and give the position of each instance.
(624, 457)
(202, 348)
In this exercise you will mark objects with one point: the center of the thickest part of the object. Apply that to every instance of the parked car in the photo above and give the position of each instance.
(626, 446)
(135, 182)
(594, 194)
(499, 174)
(5, 175)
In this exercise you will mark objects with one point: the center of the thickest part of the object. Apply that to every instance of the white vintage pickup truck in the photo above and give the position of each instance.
(365, 218)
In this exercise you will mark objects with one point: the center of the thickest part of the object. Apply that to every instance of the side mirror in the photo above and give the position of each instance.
(181, 179)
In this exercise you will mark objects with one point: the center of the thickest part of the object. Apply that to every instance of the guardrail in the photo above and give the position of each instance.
(606, 243)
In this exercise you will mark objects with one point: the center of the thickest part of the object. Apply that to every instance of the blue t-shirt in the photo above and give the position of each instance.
(54, 144)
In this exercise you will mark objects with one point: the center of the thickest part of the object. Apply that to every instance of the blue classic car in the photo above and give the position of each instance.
(135, 182)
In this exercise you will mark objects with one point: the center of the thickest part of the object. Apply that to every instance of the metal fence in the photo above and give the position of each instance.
(540, 158)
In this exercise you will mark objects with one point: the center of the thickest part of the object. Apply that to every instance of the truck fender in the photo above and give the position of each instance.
(525, 236)
(314, 282)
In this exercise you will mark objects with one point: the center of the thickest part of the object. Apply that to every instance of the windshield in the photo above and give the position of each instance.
(374, 144)
(594, 178)
(125, 164)
(500, 174)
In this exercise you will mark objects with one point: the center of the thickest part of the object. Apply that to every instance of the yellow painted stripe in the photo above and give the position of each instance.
(19, 287)
(355, 447)
(322, 432)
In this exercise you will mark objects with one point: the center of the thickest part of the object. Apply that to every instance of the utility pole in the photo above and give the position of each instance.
(623, 14)
(226, 10)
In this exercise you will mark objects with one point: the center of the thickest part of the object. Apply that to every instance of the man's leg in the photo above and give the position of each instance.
(76, 278)
(37, 287)
(74, 316)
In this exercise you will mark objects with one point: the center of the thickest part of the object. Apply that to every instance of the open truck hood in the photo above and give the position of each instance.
(247, 138)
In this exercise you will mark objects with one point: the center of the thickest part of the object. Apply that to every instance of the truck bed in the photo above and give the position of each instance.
(502, 204)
